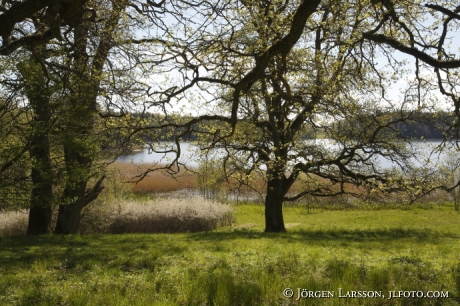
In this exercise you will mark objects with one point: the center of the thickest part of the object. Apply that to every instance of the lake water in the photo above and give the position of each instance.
(190, 157)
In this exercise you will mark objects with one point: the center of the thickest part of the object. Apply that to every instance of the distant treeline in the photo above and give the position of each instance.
(166, 133)
(421, 130)
(423, 125)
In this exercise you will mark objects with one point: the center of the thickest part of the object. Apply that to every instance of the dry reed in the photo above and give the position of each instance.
(156, 181)
(171, 216)
(162, 216)
(13, 223)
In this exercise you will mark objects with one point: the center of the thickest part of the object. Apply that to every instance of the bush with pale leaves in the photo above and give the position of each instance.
(13, 223)
(171, 216)
(161, 216)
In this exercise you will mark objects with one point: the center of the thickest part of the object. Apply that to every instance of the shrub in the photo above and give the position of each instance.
(13, 223)
(162, 216)
(171, 216)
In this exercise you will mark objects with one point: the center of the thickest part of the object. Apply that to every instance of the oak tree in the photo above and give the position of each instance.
(277, 70)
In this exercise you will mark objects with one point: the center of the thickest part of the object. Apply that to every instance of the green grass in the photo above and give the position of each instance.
(360, 250)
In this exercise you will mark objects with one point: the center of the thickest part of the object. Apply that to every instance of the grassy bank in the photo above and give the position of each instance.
(356, 250)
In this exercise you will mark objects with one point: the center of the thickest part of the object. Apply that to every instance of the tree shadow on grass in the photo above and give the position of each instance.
(312, 236)
(143, 249)
(68, 251)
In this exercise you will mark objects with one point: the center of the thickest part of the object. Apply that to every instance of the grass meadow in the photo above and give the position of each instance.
(361, 250)
(331, 254)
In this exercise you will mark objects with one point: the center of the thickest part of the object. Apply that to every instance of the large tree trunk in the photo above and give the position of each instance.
(274, 215)
(39, 220)
(69, 215)
(78, 156)
(41, 202)
(79, 145)
(69, 218)
(78, 173)
(78, 140)
(274, 206)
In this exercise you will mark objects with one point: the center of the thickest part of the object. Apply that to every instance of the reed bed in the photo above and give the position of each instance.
(171, 216)
(13, 223)
(216, 187)
(161, 216)
(156, 181)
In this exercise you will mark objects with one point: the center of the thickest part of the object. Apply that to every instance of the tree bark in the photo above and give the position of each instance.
(78, 159)
(69, 216)
(79, 143)
(274, 221)
(41, 202)
(78, 169)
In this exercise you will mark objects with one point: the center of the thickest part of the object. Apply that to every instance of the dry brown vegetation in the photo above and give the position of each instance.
(161, 216)
(171, 216)
(13, 223)
(159, 182)
(156, 181)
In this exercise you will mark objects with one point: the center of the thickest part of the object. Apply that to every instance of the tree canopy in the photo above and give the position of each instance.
(426, 32)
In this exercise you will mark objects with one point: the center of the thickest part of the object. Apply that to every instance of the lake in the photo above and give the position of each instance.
(145, 156)
(190, 156)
